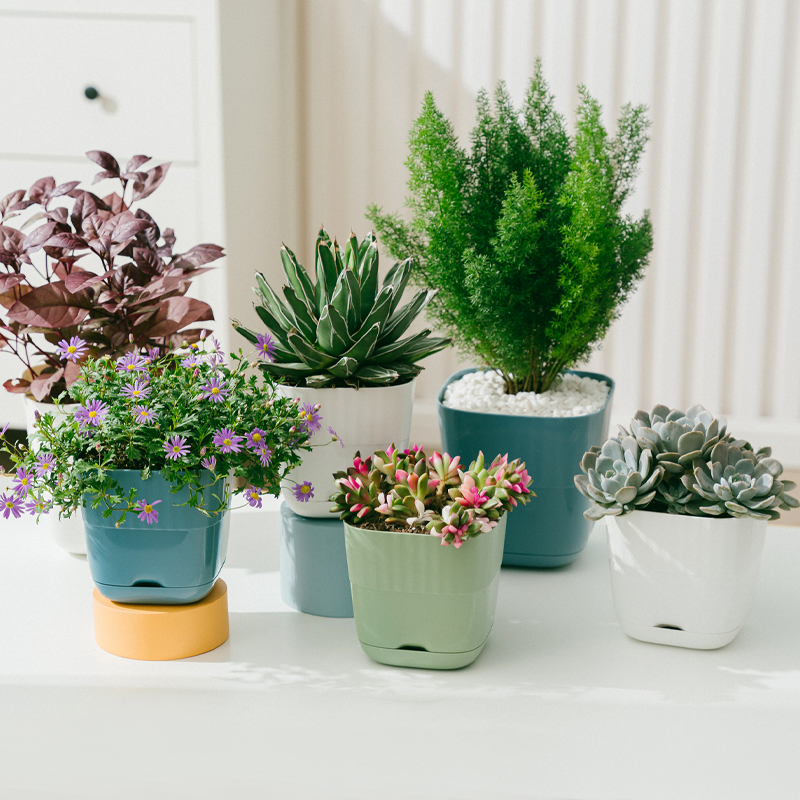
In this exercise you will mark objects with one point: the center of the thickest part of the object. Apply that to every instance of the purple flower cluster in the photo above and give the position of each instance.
(92, 414)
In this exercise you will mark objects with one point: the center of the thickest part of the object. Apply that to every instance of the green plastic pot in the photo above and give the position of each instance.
(419, 604)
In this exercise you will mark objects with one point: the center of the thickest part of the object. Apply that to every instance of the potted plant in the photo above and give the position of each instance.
(526, 241)
(149, 454)
(337, 341)
(416, 603)
(80, 275)
(687, 507)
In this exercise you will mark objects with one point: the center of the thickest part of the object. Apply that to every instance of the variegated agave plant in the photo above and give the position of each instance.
(703, 470)
(345, 328)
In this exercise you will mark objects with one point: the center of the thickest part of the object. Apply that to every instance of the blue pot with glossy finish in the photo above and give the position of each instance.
(550, 530)
(171, 562)
(314, 576)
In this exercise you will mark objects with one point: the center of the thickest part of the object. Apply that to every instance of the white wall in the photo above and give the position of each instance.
(714, 320)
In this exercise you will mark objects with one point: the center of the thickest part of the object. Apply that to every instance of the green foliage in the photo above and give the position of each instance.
(177, 393)
(523, 236)
(345, 329)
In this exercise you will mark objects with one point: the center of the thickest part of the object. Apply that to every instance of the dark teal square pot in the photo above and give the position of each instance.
(314, 576)
(173, 561)
(551, 530)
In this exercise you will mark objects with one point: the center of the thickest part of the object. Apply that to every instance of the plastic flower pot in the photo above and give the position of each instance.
(419, 604)
(314, 565)
(173, 561)
(683, 580)
(66, 532)
(366, 419)
(551, 530)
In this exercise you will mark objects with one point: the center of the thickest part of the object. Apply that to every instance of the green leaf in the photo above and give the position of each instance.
(297, 277)
(363, 348)
(354, 302)
(296, 369)
(341, 294)
(344, 367)
(273, 303)
(332, 334)
(275, 328)
(401, 319)
(304, 321)
(351, 253)
(368, 280)
(398, 277)
(410, 349)
(320, 381)
(326, 275)
(380, 311)
(310, 355)
(380, 376)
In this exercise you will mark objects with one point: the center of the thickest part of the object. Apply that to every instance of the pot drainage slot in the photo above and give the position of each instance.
(151, 584)
(413, 647)
(670, 627)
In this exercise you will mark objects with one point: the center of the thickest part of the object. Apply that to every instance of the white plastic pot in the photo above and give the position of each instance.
(68, 532)
(682, 580)
(366, 420)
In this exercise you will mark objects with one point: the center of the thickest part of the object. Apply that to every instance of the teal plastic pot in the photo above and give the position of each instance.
(550, 530)
(314, 565)
(420, 604)
(171, 562)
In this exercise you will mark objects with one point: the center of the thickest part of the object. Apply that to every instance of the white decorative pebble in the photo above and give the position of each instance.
(573, 396)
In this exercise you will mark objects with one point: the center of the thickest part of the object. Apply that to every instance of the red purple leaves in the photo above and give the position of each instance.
(154, 179)
(17, 385)
(50, 306)
(9, 281)
(198, 255)
(175, 313)
(34, 241)
(40, 386)
(80, 279)
(105, 161)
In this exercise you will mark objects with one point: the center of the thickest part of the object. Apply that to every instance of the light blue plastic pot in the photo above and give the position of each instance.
(171, 562)
(314, 576)
(550, 530)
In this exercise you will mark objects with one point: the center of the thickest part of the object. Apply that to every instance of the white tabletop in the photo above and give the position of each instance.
(561, 704)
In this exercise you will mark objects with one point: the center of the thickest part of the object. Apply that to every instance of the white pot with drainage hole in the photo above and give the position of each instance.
(682, 580)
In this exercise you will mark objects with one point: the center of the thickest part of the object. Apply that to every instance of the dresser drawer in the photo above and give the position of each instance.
(143, 70)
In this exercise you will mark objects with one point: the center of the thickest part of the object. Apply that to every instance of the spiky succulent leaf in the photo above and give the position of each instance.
(297, 276)
(344, 330)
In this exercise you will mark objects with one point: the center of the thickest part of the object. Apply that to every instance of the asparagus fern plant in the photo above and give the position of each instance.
(344, 329)
(524, 236)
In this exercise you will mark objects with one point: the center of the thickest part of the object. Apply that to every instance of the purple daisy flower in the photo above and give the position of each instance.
(264, 454)
(142, 415)
(92, 414)
(303, 491)
(153, 353)
(138, 390)
(191, 360)
(36, 505)
(265, 345)
(227, 441)
(209, 463)
(72, 350)
(255, 438)
(254, 497)
(11, 504)
(131, 362)
(175, 447)
(149, 514)
(336, 437)
(214, 390)
(310, 416)
(22, 482)
(45, 464)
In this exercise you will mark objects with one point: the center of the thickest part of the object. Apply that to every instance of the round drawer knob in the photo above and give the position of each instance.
(91, 93)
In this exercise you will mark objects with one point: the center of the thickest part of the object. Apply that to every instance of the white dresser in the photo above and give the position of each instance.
(156, 69)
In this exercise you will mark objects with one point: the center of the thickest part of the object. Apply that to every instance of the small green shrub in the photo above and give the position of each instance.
(524, 236)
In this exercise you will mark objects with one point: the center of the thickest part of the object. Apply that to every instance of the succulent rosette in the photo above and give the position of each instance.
(409, 491)
(196, 423)
(683, 463)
